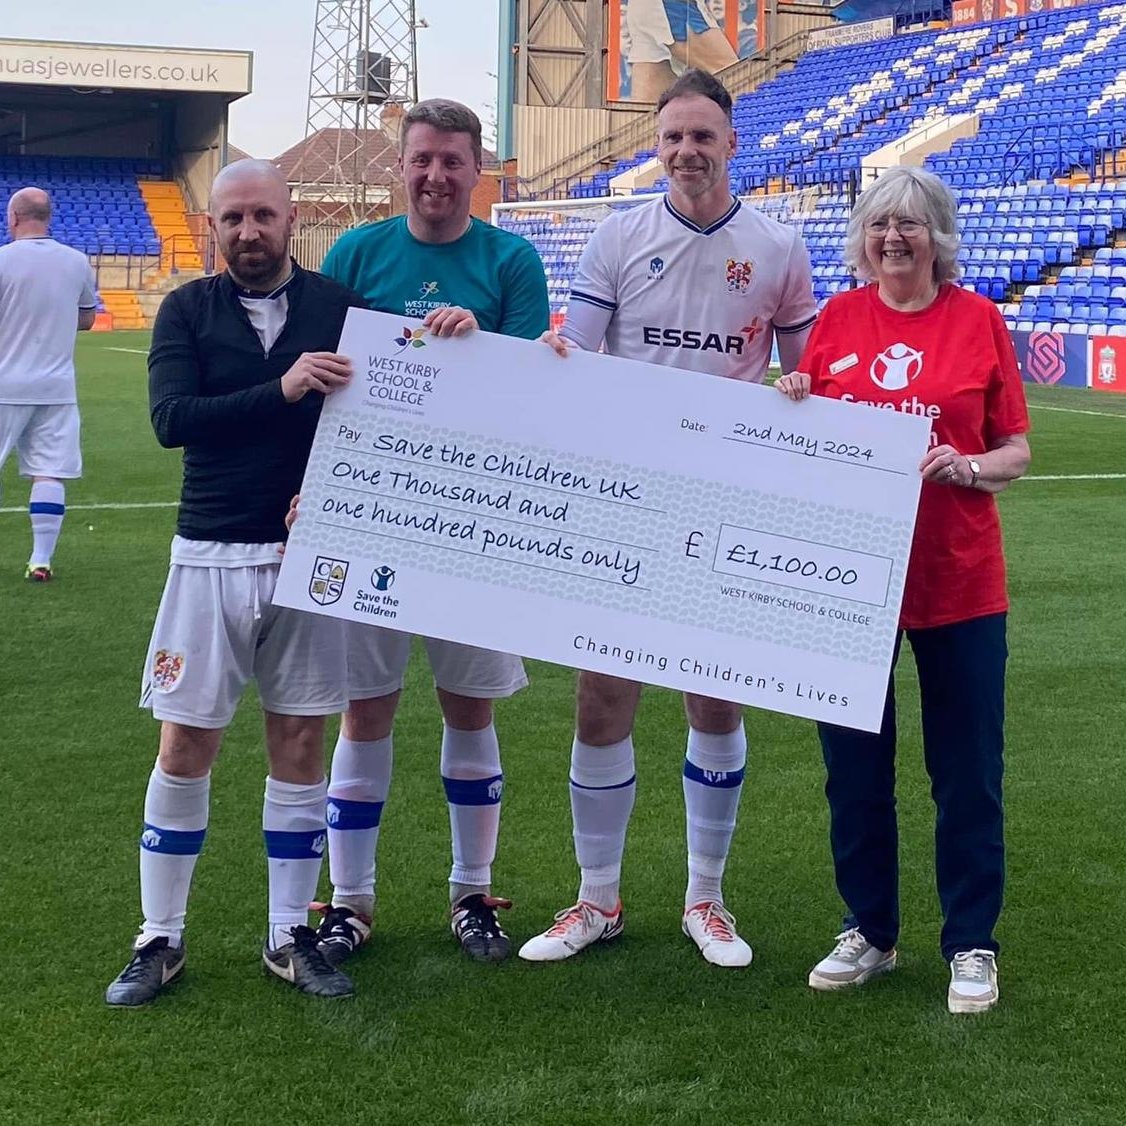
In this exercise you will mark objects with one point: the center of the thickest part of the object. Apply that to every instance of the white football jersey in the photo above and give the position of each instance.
(43, 284)
(709, 299)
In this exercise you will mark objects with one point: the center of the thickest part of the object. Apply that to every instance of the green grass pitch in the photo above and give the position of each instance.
(644, 1032)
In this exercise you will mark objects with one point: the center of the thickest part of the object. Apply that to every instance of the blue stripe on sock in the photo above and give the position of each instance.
(617, 786)
(45, 508)
(172, 842)
(474, 791)
(294, 846)
(344, 815)
(717, 779)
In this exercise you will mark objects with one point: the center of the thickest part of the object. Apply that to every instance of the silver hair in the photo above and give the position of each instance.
(31, 204)
(903, 192)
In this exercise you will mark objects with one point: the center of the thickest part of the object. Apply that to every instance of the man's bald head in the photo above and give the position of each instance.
(29, 213)
(242, 173)
(252, 217)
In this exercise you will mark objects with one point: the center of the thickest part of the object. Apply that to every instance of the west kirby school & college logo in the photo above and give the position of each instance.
(739, 275)
(326, 583)
(410, 338)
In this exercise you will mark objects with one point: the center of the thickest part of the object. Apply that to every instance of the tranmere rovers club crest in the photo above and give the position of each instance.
(739, 275)
(326, 584)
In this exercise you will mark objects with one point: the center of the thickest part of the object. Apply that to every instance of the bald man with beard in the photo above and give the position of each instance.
(239, 367)
(47, 295)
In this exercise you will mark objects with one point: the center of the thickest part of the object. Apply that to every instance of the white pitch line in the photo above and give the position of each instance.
(1075, 410)
(1076, 477)
(139, 351)
(113, 507)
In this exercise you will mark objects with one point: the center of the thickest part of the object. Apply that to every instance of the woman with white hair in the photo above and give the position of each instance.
(914, 341)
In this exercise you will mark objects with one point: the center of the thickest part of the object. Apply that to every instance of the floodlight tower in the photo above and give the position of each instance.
(364, 74)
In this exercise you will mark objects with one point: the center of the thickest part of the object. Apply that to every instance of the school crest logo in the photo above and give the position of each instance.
(656, 268)
(326, 583)
(166, 669)
(739, 275)
(428, 289)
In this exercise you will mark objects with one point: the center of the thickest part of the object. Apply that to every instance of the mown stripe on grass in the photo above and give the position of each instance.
(93, 507)
(1076, 410)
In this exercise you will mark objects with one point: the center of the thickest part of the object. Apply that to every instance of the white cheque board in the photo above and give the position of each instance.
(643, 521)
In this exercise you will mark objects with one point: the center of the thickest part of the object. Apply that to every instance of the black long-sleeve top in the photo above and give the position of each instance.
(214, 391)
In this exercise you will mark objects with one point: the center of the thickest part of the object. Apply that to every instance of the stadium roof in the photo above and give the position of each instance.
(309, 160)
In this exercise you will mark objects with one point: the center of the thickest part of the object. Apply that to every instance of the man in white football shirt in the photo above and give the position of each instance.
(46, 295)
(692, 280)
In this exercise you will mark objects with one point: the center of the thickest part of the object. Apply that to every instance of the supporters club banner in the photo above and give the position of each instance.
(1058, 358)
(982, 11)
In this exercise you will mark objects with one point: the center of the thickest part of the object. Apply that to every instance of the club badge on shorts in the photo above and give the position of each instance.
(326, 583)
(166, 669)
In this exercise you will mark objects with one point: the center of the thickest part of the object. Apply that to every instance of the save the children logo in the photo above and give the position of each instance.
(326, 583)
(896, 366)
(383, 578)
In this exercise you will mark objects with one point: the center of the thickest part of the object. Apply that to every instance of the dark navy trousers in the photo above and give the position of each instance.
(962, 686)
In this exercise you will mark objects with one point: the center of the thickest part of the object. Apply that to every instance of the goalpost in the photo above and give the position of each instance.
(560, 228)
(791, 207)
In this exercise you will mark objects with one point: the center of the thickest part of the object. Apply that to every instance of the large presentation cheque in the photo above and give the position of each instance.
(652, 523)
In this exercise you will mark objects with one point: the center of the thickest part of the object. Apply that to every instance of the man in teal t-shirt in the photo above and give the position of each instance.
(435, 262)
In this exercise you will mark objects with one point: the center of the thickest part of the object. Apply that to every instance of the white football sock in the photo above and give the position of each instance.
(173, 835)
(293, 825)
(357, 792)
(603, 786)
(471, 775)
(713, 783)
(46, 508)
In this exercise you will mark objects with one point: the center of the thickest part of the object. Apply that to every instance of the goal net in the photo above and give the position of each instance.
(560, 228)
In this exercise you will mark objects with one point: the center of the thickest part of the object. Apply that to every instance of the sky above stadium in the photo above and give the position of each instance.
(455, 53)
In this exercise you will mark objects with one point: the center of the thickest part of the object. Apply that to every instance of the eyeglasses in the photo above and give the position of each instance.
(908, 228)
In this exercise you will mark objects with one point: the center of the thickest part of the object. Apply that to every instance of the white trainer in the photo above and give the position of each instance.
(973, 982)
(851, 962)
(712, 927)
(574, 929)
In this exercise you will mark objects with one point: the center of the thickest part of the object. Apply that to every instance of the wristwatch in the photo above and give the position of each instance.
(975, 472)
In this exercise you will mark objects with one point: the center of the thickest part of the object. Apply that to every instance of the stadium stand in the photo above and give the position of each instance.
(110, 208)
(1048, 92)
(98, 204)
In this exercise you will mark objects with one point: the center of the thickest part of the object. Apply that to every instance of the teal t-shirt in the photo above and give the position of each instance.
(496, 275)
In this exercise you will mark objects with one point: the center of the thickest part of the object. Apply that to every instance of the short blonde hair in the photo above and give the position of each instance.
(903, 192)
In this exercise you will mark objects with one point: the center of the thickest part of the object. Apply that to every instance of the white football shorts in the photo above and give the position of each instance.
(654, 25)
(216, 629)
(377, 660)
(45, 436)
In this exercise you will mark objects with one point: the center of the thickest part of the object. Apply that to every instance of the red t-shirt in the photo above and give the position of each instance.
(952, 362)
